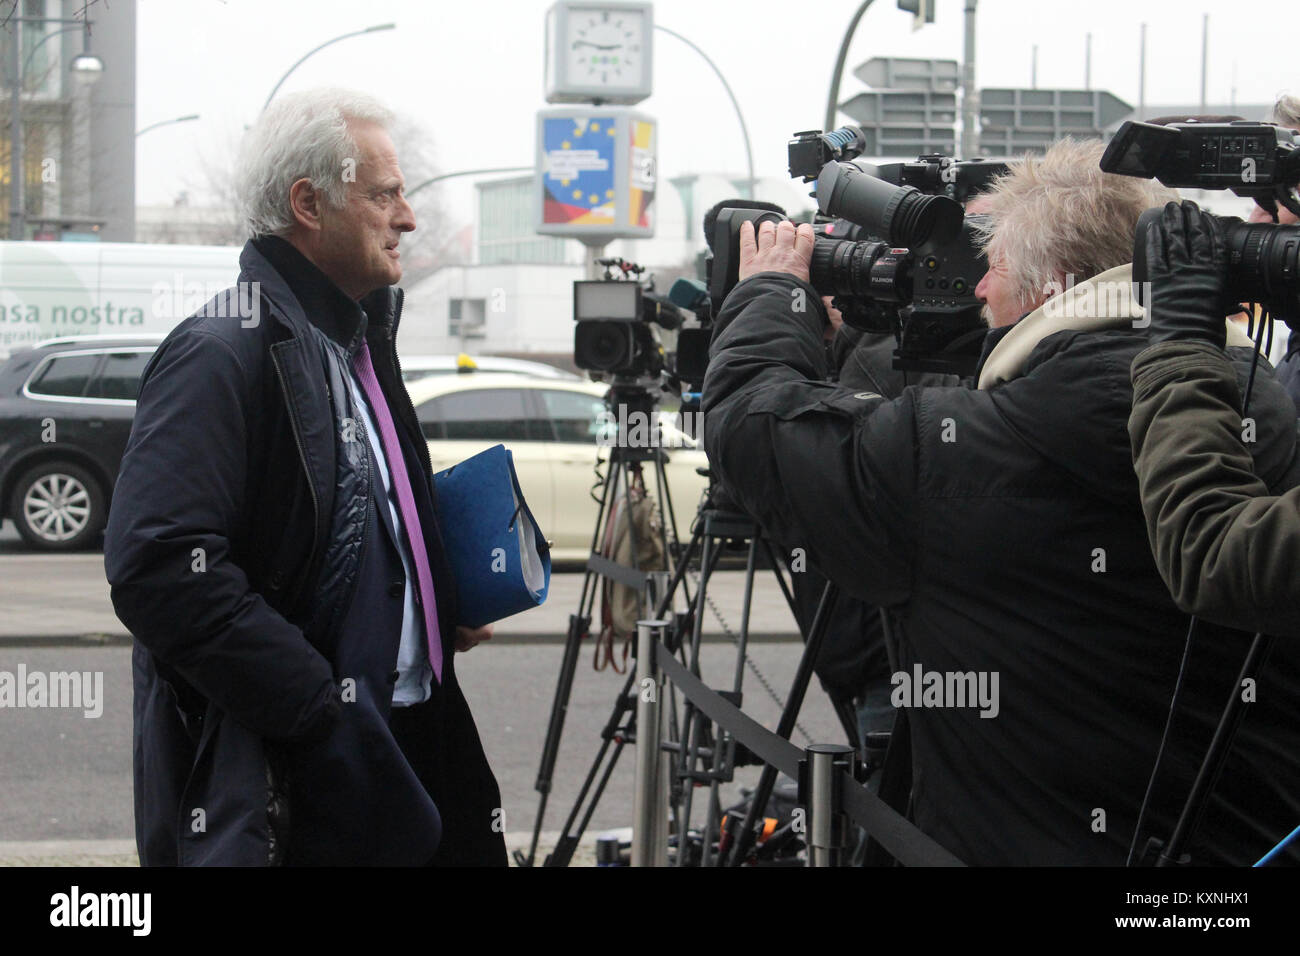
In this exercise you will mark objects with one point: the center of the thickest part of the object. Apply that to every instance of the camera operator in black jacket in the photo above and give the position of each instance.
(1001, 528)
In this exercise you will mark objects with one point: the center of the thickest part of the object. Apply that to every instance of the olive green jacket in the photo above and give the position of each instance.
(1226, 543)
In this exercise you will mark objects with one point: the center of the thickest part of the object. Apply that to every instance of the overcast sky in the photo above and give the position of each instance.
(471, 73)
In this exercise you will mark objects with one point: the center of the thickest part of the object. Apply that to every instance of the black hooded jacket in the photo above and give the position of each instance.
(1001, 526)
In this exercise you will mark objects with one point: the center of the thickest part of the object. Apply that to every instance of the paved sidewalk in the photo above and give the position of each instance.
(64, 598)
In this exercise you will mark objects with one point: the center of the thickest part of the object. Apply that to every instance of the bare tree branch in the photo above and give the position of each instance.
(9, 10)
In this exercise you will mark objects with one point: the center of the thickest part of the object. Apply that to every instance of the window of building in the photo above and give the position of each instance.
(467, 318)
(41, 59)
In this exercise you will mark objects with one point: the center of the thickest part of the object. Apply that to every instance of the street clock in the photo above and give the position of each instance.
(599, 52)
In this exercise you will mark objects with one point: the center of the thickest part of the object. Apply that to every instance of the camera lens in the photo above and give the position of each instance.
(902, 214)
(1264, 265)
(1263, 262)
(604, 346)
(870, 270)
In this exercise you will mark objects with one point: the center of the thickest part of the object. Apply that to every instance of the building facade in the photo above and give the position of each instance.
(517, 294)
(78, 142)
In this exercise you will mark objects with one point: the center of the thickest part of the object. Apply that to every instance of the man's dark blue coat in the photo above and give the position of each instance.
(250, 557)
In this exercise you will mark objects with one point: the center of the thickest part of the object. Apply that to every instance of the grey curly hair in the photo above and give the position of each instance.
(1286, 111)
(1059, 215)
(299, 136)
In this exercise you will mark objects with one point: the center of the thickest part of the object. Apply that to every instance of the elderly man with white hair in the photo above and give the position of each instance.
(1000, 528)
(273, 542)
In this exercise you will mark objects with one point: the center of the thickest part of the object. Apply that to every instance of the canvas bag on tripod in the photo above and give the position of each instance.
(621, 605)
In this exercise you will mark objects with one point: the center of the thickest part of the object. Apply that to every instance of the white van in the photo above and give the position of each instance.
(57, 289)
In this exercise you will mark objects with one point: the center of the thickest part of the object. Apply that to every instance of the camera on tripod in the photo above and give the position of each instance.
(894, 247)
(616, 318)
(1255, 160)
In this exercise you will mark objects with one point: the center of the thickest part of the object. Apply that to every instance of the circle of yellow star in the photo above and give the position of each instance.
(577, 194)
(566, 145)
(595, 127)
(593, 198)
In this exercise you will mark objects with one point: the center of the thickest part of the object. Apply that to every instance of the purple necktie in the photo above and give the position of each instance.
(405, 502)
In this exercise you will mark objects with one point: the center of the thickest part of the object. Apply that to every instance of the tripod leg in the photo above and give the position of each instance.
(746, 605)
(670, 522)
(767, 780)
(723, 745)
(780, 580)
(1216, 755)
(559, 709)
(692, 728)
(567, 842)
(578, 625)
(712, 819)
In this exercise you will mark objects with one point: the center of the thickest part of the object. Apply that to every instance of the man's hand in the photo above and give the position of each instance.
(776, 248)
(1187, 264)
(467, 638)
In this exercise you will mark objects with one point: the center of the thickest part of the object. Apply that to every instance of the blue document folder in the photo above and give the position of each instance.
(501, 561)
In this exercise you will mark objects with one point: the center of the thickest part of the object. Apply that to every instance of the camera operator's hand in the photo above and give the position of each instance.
(776, 248)
(1187, 264)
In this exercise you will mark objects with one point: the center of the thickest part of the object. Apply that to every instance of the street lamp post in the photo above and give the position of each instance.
(355, 33)
(167, 122)
(832, 100)
(744, 130)
(85, 64)
(467, 172)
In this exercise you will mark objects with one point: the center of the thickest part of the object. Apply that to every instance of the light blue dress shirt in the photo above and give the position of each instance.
(414, 673)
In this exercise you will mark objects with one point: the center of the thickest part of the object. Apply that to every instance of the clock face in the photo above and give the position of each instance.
(604, 47)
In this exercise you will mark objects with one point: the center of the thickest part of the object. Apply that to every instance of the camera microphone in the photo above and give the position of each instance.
(688, 294)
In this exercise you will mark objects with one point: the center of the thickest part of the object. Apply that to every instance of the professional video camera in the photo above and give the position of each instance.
(616, 316)
(894, 246)
(1257, 160)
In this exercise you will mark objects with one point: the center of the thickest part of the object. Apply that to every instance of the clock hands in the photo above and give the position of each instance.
(611, 46)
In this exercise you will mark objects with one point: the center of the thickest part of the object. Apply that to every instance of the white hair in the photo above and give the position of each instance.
(1059, 215)
(300, 136)
(1286, 111)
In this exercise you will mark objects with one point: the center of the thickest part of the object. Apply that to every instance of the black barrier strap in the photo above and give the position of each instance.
(777, 751)
(904, 841)
(900, 836)
(621, 573)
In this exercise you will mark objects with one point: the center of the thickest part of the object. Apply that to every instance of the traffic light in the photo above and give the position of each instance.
(923, 10)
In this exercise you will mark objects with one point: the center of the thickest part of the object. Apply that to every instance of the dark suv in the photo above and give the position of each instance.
(66, 407)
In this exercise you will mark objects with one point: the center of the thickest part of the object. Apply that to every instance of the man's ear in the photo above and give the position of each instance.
(305, 200)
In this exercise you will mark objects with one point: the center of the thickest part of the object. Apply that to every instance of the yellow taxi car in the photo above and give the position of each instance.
(559, 434)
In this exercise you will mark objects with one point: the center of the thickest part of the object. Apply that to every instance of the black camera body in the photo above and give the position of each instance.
(937, 175)
(894, 248)
(1256, 160)
(615, 317)
(1251, 159)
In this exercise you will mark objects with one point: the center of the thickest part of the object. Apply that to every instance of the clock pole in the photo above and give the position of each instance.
(595, 250)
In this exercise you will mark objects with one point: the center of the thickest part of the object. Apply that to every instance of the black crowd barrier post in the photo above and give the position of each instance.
(899, 837)
(745, 839)
(821, 777)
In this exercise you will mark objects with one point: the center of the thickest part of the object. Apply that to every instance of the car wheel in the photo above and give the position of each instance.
(58, 506)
